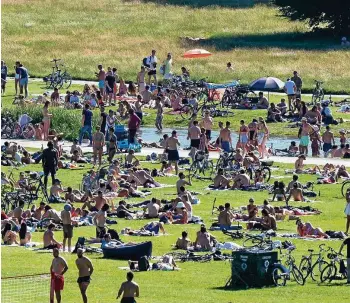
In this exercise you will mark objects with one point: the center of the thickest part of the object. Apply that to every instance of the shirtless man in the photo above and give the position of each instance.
(152, 209)
(194, 133)
(67, 226)
(129, 289)
(159, 118)
(171, 145)
(49, 238)
(328, 140)
(269, 207)
(220, 181)
(101, 76)
(58, 268)
(263, 103)
(99, 200)
(98, 141)
(38, 212)
(99, 221)
(304, 136)
(207, 124)
(181, 182)
(299, 164)
(225, 217)
(241, 180)
(296, 193)
(86, 269)
(225, 138)
(268, 222)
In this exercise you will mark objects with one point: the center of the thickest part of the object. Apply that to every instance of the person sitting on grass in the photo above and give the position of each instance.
(296, 192)
(152, 209)
(184, 242)
(52, 214)
(26, 159)
(268, 221)
(181, 182)
(55, 192)
(77, 158)
(70, 196)
(131, 160)
(299, 164)
(49, 238)
(252, 209)
(279, 191)
(269, 207)
(204, 241)
(181, 216)
(220, 181)
(225, 217)
(8, 236)
(241, 181)
(76, 146)
(307, 230)
(263, 103)
(24, 236)
(184, 192)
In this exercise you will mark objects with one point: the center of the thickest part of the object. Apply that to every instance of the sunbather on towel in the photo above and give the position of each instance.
(307, 230)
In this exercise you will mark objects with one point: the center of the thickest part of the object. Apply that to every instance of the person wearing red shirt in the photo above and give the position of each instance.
(133, 125)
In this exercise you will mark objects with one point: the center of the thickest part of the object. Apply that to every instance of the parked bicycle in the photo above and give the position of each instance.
(57, 78)
(292, 267)
(202, 168)
(261, 241)
(313, 269)
(331, 271)
(345, 187)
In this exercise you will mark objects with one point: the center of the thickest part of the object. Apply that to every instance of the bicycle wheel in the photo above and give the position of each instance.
(305, 267)
(344, 187)
(186, 112)
(252, 241)
(48, 81)
(328, 273)
(297, 275)
(266, 171)
(317, 269)
(193, 171)
(66, 80)
(279, 277)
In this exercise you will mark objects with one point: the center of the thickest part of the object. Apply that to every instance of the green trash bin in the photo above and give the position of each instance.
(252, 269)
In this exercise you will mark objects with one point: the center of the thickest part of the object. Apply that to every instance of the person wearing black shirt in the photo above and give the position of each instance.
(110, 81)
(50, 162)
(347, 243)
(103, 120)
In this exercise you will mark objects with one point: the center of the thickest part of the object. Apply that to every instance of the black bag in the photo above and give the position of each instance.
(144, 62)
(80, 244)
(114, 234)
(154, 172)
(143, 264)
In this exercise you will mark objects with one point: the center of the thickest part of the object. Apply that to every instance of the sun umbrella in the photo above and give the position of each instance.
(267, 84)
(196, 53)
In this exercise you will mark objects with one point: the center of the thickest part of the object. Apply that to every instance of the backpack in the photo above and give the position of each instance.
(143, 264)
(144, 62)
(154, 172)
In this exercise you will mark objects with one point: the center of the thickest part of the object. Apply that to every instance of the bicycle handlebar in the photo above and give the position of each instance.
(55, 60)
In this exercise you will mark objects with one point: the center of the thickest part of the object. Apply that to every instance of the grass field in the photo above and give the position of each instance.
(195, 282)
(121, 33)
(71, 128)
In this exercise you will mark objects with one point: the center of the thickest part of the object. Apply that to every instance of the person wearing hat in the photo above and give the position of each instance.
(181, 217)
(86, 269)
(98, 141)
(304, 136)
(67, 226)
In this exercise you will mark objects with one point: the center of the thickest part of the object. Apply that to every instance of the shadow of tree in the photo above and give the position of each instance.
(289, 40)
(207, 3)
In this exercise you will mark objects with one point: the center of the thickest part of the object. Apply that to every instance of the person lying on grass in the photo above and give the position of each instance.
(149, 229)
(76, 158)
(307, 230)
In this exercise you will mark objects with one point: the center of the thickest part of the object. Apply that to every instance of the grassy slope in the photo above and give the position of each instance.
(71, 128)
(195, 283)
(121, 33)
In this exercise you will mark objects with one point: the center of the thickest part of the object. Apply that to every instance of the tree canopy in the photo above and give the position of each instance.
(333, 14)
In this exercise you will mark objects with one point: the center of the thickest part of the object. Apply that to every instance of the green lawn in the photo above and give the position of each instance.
(120, 33)
(195, 283)
(71, 128)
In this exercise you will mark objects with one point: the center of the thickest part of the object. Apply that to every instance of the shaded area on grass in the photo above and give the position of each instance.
(206, 3)
(284, 40)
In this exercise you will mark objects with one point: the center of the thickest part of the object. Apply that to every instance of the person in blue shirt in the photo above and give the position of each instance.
(23, 80)
(3, 76)
(86, 124)
(74, 100)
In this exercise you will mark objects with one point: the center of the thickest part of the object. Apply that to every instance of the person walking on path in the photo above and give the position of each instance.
(86, 269)
(16, 67)
(58, 268)
(290, 89)
(347, 213)
(23, 80)
(159, 118)
(129, 290)
(50, 162)
(46, 120)
(133, 125)
(86, 124)
(152, 67)
(3, 76)
(298, 83)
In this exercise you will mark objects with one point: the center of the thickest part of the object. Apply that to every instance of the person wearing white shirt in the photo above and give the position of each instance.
(152, 67)
(290, 89)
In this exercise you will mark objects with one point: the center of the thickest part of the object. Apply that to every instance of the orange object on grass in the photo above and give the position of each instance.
(196, 53)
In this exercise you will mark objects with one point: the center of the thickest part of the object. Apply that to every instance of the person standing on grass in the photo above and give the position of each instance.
(98, 141)
(50, 162)
(298, 83)
(103, 120)
(23, 80)
(16, 67)
(263, 135)
(347, 244)
(3, 76)
(290, 89)
(133, 125)
(46, 120)
(141, 79)
(110, 82)
(225, 138)
(112, 146)
(347, 213)
(86, 124)
(101, 76)
(167, 66)
(129, 290)
(86, 269)
(159, 118)
(304, 136)
(138, 107)
(194, 133)
(171, 145)
(67, 226)
(58, 268)
(152, 67)
(207, 124)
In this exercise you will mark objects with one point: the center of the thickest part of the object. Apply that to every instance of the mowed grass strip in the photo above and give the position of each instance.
(121, 33)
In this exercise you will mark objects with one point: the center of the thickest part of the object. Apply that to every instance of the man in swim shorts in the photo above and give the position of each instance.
(101, 76)
(58, 269)
(304, 136)
(225, 138)
(86, 269)
(171, 145)
(98, 141)
(129, 289)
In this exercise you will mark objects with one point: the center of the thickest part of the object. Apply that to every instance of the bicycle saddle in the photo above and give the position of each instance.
(310, 250)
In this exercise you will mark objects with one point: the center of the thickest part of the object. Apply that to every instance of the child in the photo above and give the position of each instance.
(130, 157)
(38, 131)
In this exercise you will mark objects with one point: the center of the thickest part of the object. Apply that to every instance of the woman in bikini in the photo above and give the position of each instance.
(243, 136)
(46, 120)
(263, 135)
(141, 79)
(253, 127)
